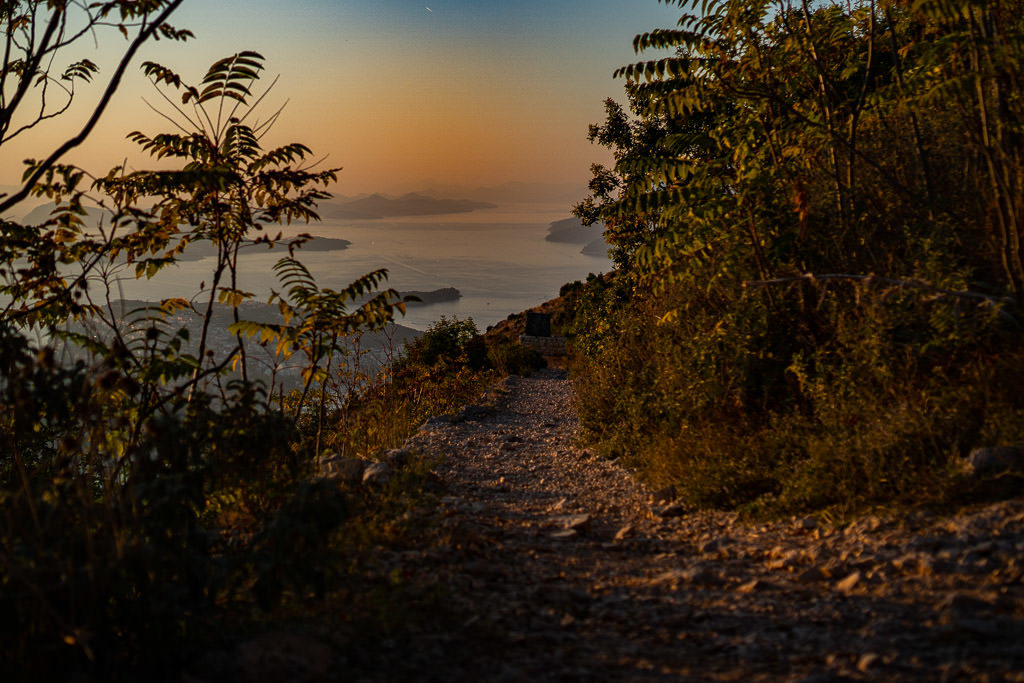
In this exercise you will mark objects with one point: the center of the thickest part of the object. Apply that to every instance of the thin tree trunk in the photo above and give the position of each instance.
(922, 155)
(859, 106)
(826, 108)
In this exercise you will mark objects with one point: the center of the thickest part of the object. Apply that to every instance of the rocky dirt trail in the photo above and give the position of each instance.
(562, 567)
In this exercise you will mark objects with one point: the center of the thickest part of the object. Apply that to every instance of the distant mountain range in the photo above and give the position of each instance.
(377, 206)
(41, 214)
(566, 194)
(428, 202)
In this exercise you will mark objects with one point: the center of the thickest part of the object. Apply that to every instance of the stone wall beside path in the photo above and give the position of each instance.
(545, 346)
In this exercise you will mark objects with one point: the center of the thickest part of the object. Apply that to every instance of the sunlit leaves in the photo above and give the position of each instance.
(233, 297)
(776, 141)
(318, 321)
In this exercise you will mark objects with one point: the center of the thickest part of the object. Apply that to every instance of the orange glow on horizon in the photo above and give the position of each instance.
(394, 110)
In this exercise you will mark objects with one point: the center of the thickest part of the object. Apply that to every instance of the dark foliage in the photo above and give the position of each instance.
(817, 298)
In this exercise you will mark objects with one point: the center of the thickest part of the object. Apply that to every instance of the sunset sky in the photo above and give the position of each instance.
(403, 94)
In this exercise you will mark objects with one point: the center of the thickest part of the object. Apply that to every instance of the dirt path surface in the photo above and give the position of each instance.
(561, 567)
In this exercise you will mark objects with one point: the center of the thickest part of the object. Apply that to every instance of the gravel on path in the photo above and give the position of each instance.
(563, 567)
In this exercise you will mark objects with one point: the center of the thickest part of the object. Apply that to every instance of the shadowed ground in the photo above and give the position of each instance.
(560, 566)
(543, 563)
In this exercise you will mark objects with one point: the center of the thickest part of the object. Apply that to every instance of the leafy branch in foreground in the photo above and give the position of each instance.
(319, 324)
(228, 189)
(149, 500)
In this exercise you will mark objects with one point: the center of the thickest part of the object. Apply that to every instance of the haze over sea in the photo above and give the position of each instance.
(497, 258)
(402, 96)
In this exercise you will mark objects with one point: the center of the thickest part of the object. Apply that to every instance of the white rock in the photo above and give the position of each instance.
(377, 474)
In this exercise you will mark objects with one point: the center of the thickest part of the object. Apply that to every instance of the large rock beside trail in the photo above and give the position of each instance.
(377, 474)
(987, 461)
(347, 470)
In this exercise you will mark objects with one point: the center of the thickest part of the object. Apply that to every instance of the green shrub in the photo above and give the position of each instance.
(745, 403)
(817, 302)
(126, 537)
(516, 359)
(446, 340)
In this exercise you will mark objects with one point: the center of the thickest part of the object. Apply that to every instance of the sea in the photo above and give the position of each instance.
(497, 258)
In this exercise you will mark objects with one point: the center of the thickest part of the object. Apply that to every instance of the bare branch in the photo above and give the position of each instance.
(264, 128)
(175, 106)
(260, 99)
(115, 81)
(172, 121)
(30, 68)
(43, 115)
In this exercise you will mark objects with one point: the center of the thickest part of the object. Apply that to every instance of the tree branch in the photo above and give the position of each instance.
(28, 73)
(115, 80)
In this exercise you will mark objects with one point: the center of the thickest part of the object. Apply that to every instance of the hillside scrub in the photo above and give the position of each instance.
(436, 374)
(158, 501)
(815, 216)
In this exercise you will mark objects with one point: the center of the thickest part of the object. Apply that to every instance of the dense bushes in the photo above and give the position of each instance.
(451, 341)
(739, 405)
(816, 303)
(155, 500)
(131, 543)
(128, 537)
(438, 372)
(448, 341)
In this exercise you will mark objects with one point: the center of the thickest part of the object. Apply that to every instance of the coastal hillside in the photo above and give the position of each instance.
(782, 439)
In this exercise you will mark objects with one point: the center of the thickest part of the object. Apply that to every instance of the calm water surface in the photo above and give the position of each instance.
(497, 258)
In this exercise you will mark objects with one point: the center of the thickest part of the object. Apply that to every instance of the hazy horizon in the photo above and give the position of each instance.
(506, 196)
(403, 95)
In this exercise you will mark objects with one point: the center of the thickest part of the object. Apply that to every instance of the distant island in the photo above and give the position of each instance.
(377, 206)
(197, 250)
(42, 213)
(200, 250)
(572, 231)
(436, 296)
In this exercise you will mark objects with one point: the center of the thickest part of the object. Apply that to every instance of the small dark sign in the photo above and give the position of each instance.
(538, 324)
